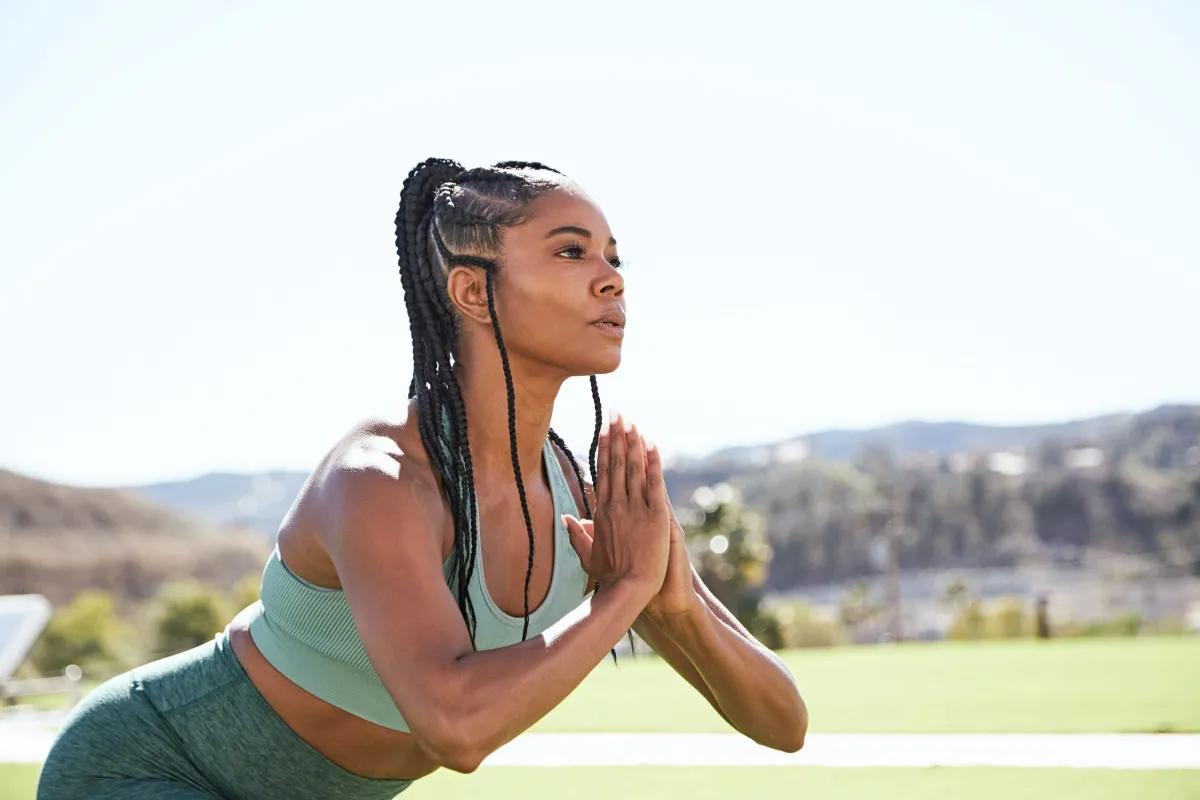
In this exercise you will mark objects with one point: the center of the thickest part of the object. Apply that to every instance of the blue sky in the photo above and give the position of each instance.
(834, 214)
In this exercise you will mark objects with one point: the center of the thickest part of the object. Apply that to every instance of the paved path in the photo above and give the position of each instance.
(1120, 751)
(26, 737)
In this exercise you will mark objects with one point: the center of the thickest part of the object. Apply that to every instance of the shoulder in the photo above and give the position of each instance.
(376, 469)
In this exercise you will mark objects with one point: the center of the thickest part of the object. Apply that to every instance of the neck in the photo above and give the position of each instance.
(480, 374)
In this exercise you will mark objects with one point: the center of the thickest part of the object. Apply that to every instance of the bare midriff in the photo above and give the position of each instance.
(353, 743)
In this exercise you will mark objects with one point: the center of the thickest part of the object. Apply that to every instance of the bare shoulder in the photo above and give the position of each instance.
(378, 471)
(383, 523)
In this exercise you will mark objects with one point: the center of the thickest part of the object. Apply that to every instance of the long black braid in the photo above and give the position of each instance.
(448, 216)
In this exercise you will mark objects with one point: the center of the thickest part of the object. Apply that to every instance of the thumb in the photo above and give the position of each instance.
(581, 539)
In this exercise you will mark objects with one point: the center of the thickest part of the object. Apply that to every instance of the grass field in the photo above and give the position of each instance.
(722, 783)
(1117, 685)
(1110, 685)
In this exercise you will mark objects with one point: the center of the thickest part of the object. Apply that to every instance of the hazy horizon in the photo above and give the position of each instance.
(581, 451)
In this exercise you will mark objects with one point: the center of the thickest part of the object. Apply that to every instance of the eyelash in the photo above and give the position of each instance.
(616, 262)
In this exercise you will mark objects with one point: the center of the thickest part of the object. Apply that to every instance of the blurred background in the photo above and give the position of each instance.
(911, 294)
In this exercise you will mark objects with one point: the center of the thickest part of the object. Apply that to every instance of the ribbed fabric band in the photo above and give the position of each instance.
(307, 632)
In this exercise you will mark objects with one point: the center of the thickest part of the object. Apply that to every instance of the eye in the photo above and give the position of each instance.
(573, 247)
(579, 249)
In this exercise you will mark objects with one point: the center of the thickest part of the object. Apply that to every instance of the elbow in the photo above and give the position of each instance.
(446, 730)
(452, 733)
(791, 740)
(452, 746)
(793, 745)
(795, 742)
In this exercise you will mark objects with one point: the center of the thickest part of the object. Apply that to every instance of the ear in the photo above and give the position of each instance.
(467, 288)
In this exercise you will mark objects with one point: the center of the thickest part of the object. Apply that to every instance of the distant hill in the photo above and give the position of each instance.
(56, 540)
(257, 500)
(981, 495)
(261, 500)
(913, 437)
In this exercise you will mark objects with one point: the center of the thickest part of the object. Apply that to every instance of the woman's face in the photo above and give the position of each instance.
(558, 276)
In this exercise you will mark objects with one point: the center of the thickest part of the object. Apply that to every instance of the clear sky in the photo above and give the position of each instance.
(833, 214)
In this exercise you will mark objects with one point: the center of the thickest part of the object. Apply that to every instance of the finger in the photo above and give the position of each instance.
(602, 466)
(580, 540)
(635, 470)
(656, 487)
(616, 460)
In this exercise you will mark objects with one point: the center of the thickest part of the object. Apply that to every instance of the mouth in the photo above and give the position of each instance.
(614, 318)
(610, 328)
(612, 323)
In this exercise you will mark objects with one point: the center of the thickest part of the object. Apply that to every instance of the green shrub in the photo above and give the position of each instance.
(971, 622)
(187, 614)
(802, 625)
(1006, 619)
(85, 632)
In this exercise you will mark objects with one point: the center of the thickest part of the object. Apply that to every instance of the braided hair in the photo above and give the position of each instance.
(452, 216)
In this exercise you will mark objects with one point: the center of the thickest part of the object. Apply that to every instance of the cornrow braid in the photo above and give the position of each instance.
(449, 216)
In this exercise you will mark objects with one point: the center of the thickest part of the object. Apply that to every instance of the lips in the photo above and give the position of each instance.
(613, 318)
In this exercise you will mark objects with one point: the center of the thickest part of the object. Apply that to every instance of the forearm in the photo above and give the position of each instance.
(746, 681)
(502, 692)
(652, 631)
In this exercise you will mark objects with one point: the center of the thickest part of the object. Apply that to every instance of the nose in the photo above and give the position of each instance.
(609, 283)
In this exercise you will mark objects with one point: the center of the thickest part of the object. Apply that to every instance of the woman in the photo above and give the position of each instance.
(362, 668)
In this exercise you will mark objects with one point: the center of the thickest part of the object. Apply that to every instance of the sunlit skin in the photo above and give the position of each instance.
(548, 292)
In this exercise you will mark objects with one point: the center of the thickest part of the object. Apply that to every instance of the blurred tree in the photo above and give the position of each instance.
(971, 622)
(955, 593)
(1007, 620)
(1043, 617)
(85, 632)
(726, 543)
(246, 590)
(857, 608)
(189, 613)
(804, 626)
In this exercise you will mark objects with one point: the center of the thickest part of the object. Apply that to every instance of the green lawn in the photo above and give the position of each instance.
(1106, 685)
(17, 781)
(1069, 685)
(722, 783)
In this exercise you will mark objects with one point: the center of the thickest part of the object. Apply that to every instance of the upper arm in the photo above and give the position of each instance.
(383, 535)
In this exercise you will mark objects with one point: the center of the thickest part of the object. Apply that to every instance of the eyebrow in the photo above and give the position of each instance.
(584, 232)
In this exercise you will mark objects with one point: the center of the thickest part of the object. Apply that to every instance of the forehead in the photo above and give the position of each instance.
(564, 205)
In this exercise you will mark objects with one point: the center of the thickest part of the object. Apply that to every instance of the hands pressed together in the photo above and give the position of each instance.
(635, 535)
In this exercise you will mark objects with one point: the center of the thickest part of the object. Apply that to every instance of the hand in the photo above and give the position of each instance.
(630, 536)
(677, 595)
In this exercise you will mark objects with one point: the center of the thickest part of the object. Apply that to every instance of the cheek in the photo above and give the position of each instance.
(542, 317)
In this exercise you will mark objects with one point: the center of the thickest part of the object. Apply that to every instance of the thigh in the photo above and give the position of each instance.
(145, 789)
(114, 743)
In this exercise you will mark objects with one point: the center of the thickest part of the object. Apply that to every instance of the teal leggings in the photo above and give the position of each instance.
(191, 726)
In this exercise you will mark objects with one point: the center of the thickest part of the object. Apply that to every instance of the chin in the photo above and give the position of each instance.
(603, 363)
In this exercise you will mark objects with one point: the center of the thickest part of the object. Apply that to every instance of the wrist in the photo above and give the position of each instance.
(675, 617)
(631, 585)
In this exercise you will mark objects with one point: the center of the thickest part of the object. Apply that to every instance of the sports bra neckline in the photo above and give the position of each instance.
(560, 540)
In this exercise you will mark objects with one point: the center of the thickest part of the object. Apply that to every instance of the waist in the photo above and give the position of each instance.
(339, 683)
(349, 739)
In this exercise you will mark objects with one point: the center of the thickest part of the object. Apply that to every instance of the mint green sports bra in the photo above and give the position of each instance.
(307, 632)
